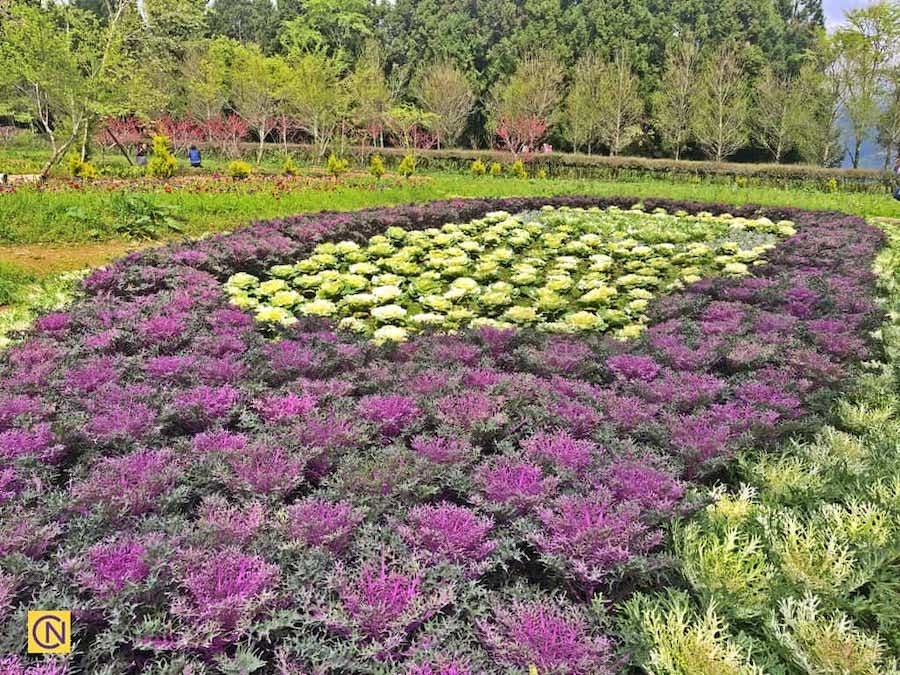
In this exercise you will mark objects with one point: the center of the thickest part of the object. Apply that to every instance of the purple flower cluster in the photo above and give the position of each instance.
(419, 508)
(551, 638)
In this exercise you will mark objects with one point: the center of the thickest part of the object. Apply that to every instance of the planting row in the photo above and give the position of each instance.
(796, 571)
(205, 494)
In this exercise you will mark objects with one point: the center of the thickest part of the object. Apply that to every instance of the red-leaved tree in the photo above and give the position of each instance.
(521, 134)
(226, 131)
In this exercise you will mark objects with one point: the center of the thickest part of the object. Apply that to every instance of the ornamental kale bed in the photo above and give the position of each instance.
(203, 496)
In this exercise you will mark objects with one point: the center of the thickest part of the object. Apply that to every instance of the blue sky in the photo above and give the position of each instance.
(834, 10)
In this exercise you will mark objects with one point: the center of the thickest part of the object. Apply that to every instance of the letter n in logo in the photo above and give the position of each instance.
(49, 632)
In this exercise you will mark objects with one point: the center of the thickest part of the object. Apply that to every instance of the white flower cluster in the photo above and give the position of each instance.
(564, 270)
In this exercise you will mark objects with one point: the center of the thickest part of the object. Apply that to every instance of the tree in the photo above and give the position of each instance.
(865, 45)
(582, 112)
(205, 72)
(818, 134)
(673, 103)
(889, 122)
(720, 114)
(446, 93)
(777, 113)
(620, 107)
(253, 83)
(339, 28)
(312, 92)
(411, 126)
(369, 93)
(529, 97)
(66, 69)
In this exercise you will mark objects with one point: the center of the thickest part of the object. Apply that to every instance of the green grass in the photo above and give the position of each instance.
(32, 216)
(13, 281)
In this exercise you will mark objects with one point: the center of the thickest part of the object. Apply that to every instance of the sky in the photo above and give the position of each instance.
(834, 10)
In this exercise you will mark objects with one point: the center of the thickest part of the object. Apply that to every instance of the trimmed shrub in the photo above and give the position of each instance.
(162, 163)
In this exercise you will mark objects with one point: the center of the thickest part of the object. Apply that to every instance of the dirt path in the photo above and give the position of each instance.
(46, 259)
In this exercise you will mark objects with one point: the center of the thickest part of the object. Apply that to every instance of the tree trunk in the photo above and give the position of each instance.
(119, 145)
(262, 140)
(84, 143)
(857, 151)
(57, 153)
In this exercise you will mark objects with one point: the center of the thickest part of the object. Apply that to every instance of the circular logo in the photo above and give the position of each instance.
(49, 632)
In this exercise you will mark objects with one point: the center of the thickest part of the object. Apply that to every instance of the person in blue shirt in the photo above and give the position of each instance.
(194, 156)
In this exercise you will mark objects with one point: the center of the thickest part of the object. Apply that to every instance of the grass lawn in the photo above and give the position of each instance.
(68, 215)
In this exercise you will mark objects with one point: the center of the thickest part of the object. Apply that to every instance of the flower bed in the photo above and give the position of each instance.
(563, 270)
(185, 483)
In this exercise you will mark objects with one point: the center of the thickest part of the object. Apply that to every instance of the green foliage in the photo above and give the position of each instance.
(496, 169)
(478, 168)
(140, 217)
(674, 638)
(541, 174)
(32, 215)
(12, 281)
(518, 169)
(44, 295)
(803, 560)
(336, 167)
(407, 166)
(376, 166)
(78, 168)
(239, 170)
(162, 163)
(288, 168)
(826, 643)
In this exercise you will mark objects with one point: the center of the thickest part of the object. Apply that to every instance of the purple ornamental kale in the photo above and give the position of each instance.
(109, 567)
(592, 536)
(565, 355)
(515, 484)
(650, 488)
(550, 637)
(161, 329)
(440, 668)
(169, 367)
(224, 442)
(391, 413)
(631, 367)
(53, 323)
(225, 591)
(443, 450)
(260, 469)
(14, 409)
(8, 586)
(230, 525)
(560, 450)
(38, 442)
(700, 438)
(278, 408)
(466, 410)
(13, 665)
(449, 533)
(579, 418)
(10, 484)
(386, 606)
(317, 522)
(128, 485)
